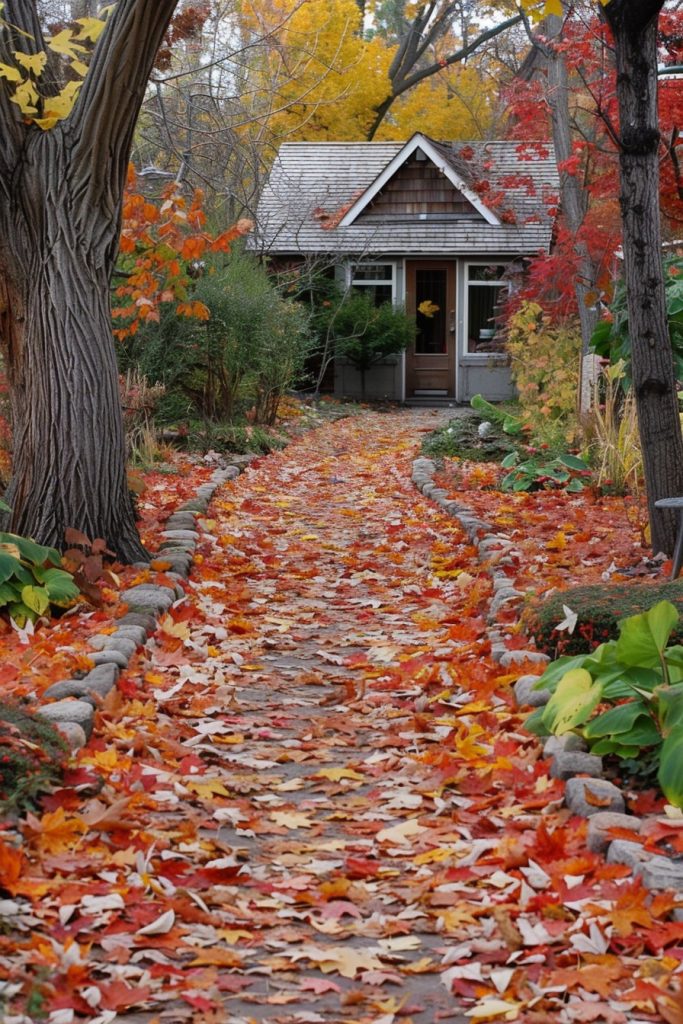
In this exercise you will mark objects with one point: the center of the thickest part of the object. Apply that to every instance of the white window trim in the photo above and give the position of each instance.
(479, 357)
(369, 282)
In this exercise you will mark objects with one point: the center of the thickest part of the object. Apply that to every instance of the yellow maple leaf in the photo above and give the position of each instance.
(10, 73)
(402, 832)
(65, 43)
(206, 788)
(26, 97)
(336, 774)
(91, 28)
(55, 832)
(179, 630)
(33, 62)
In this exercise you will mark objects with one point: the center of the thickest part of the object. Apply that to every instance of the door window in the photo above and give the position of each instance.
(431, 310)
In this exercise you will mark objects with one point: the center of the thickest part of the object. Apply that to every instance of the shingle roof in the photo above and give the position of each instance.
(312, 185)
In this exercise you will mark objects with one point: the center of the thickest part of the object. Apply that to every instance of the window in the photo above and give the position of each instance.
(487, 284)
(375, 279)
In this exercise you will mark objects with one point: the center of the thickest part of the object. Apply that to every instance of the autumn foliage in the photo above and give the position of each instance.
(162, 247)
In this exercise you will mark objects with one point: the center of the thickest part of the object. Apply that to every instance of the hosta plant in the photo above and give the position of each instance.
(31, 579)
(535, 472)
(625, 698)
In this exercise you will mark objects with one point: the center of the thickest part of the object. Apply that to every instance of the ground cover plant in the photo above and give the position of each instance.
(317, 730)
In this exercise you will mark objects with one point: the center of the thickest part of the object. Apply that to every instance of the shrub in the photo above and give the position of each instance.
(361, 332)
(250, 350)
(598, 610)
(545, 368)
(31, 580)
(139, 400)
(32, 756)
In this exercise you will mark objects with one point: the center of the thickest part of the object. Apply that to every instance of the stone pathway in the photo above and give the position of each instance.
(327, 811)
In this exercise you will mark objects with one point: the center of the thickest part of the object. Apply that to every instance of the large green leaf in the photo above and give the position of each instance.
(8, 566)
(9, 593)
(31, 552)
(670, 774)
(670, 707)
(642, 638)
(573, 702)
(534, 723)
(572, 462)
(616, 720)
(623, 682)
(59, 584)
(556, 670)
(36, 598)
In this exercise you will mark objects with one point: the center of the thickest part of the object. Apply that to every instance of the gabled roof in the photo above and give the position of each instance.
(318, 195)
(439, 157)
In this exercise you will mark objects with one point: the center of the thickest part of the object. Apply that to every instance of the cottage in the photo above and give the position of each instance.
(440, 228)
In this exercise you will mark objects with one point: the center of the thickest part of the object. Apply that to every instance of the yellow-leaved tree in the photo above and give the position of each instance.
(319, 78)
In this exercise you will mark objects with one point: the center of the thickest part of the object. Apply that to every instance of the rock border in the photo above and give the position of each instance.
(70, 704)
(587, 794)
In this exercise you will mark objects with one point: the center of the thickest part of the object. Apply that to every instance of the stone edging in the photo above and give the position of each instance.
(70, 704)
(570, 761)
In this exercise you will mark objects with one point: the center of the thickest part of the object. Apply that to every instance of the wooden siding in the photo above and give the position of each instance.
(419, 190)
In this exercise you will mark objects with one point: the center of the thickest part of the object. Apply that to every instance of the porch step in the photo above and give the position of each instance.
(430, 402)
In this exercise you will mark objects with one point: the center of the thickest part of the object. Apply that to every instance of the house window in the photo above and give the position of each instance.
(487, 285)
(374, 279)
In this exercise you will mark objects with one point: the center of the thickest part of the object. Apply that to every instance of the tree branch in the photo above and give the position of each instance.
(106, 111)
(399, 87)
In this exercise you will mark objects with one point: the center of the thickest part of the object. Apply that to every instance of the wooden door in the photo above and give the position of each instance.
(430, 298)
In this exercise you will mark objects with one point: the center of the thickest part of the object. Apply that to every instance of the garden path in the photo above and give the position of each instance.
(320, 806)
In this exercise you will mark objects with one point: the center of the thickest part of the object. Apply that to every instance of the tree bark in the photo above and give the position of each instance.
(60, 221)
(634, 27)
(572, 193)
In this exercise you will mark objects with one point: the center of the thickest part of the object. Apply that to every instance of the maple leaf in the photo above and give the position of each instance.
(54, 832)
(11, 863)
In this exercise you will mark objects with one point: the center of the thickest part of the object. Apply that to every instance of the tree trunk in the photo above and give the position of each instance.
(69, 445)
(634, 26)
(572, 192)
(61, 194)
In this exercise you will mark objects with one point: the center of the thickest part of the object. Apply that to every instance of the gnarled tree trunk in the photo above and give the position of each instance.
(61, 195)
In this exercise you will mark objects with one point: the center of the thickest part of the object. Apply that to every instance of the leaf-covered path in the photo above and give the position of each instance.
(319, 804)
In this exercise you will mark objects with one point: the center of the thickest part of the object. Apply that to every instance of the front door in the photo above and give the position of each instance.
(430, 298)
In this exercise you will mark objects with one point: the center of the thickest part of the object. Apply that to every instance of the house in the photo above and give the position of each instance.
(440, 228)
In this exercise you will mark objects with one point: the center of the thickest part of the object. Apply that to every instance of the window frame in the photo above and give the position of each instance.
(375, 282)
(499, 283)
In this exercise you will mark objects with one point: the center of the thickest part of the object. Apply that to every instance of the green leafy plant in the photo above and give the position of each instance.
(611, 336)
(537, 472)
(31, 579)
(635, 684)
(509, 423)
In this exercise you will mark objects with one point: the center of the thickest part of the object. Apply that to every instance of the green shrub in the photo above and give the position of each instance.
(245, 356)
(598, 610)
(32, 756)
(625, 698)
(362, 333)
(611, 338)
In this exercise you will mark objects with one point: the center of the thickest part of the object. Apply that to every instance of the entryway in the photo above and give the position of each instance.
(430, 298)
